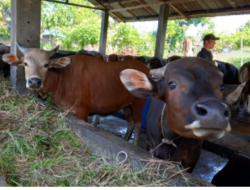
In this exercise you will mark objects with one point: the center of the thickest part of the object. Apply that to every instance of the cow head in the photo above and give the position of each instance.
(36, 63)
(192, 90)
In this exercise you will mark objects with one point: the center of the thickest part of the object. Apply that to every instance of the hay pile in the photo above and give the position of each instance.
(37, 148)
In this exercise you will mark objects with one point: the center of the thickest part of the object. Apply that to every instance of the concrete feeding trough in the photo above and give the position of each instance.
(103, 143)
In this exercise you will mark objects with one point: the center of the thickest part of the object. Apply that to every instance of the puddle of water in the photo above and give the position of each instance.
(208, 165)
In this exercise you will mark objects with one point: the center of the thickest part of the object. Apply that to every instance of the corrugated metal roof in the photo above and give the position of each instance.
(138, 10)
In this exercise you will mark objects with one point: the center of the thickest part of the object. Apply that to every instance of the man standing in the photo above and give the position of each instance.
(208, 44)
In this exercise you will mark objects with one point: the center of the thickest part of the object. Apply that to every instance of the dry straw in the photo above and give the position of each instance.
(38, 148)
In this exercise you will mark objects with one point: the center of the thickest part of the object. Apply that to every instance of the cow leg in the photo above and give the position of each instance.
(137, 132)
(137, 110)
(90, 119)
(83, 114)
(130, 124)
(94, 122)
(97, 120)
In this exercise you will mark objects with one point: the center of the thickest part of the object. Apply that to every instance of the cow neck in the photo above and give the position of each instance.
(45, 92)
(168, 135)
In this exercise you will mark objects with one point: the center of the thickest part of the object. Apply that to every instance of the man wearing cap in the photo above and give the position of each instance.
(208, 44)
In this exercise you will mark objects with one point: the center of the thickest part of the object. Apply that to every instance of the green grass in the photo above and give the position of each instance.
(237, 61)
(38, 148)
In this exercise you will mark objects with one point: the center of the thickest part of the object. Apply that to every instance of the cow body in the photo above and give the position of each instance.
(230, 72)
(83, 84)
(89, 92)
(4, 67)
(142, 59)
(155, 63)
(127, 57)
(188, 149)
(113, 57)
(244, 76)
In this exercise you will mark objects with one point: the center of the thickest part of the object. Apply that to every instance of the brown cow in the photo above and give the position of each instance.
(83, 84)
(113, 57)
(172, 58)
(191, 89)
(127, 57)
(155, 63)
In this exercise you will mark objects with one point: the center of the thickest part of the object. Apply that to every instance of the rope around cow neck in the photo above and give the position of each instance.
(165, 139)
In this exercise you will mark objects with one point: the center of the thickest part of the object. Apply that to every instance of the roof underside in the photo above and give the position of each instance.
(142, 10)
(139, 10)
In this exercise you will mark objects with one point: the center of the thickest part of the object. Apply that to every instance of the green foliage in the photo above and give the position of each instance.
(121, 35)
(5, 19)
(76, 26)
(174, 36)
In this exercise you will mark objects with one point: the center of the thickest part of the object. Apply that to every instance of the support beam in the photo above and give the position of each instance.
(161, 32)
(156, 1)
(104, 32)
(196, 14)
(179, 12)
(136, 7)
(117, 2)
(25, 28)
(106, 8)
(76, 5)
(151, 4)
(233, 4)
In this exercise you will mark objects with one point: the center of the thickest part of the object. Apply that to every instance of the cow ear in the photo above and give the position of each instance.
(60, 63)
(11, 59)
(137, 83)
(231, 98)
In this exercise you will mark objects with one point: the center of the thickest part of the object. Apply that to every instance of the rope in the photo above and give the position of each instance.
(124, 160)
(165, 140)
(162, 115)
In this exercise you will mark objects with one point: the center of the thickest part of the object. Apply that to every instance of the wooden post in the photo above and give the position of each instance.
(161, 32)
(25, 28)
(104, 32)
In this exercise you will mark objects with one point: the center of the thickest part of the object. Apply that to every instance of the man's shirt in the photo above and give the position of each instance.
(206, 55)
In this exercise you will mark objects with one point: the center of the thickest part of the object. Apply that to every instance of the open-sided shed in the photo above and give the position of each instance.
(26, 16)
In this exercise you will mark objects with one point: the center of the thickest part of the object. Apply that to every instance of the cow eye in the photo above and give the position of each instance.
(25, 64)
(222, 87)
(46, 65)
(172, 85)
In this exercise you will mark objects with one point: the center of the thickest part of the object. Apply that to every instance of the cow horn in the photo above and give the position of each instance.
(53, 51)
(21, 48)
(159, 72)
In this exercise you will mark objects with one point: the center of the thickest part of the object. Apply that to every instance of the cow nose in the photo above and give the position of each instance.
(203, 110)
(34, 82)
(212, 113)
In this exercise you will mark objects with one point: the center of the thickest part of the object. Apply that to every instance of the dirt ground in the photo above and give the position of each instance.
(209, 164)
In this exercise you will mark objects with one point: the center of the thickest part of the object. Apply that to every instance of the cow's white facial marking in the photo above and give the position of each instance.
(194, 125)
(212, 133)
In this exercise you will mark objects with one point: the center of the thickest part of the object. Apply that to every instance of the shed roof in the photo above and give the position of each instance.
(142, 10)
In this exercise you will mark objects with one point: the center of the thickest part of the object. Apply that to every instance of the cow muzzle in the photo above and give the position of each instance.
(211, 119)
(34, 83)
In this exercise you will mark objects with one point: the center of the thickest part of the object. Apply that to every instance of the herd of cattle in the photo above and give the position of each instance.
(190, 97)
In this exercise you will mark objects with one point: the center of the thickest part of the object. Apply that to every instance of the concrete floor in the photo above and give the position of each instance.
(209, 164)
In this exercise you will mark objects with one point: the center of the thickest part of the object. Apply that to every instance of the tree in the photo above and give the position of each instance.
(76, 26)
(5, 19)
